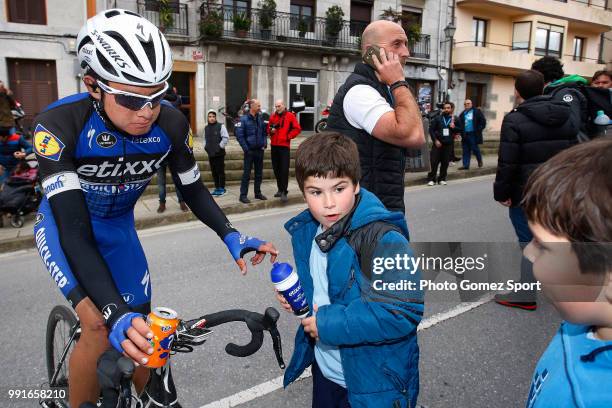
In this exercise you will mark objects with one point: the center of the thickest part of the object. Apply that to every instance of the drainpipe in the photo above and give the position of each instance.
(439, 48)
(450, 54)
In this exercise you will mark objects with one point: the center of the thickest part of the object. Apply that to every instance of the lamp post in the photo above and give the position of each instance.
(449, 33)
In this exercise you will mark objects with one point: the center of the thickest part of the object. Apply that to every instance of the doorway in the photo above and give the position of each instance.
(34, 85)
(305, 83)
(237, 90)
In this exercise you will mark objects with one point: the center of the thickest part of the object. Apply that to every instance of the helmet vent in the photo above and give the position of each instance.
(131, 13)
(119, 38)
(133, 78)
(105, 64)
(161, 41)
(149, 49)
(84, 41)
(112, 13)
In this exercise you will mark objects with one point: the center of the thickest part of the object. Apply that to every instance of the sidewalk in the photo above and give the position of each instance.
(146, 215)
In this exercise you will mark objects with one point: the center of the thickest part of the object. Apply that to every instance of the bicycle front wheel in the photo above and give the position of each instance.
(60, 326)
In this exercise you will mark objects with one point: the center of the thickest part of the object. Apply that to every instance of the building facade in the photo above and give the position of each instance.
(497, 39)
(219, 63)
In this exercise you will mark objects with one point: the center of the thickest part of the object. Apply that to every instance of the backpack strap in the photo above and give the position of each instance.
(364, 240)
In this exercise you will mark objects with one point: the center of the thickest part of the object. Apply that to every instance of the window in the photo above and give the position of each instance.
(27, 11)
(548, 40)
(521, 36)
(479, 30)
(411, 17)
(361, 15)
(578, 49)
(302, 10)
(235, 6)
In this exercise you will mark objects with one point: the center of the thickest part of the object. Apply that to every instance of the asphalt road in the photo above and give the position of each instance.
(480, 357)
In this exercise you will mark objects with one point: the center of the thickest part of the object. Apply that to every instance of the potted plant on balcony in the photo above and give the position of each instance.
(333, 24)
(302, 27)
(211, 24)
(267, 14)
(413, 32)
(242, 24)
(166, 14)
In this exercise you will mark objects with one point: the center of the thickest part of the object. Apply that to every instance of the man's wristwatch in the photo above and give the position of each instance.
(397, 84)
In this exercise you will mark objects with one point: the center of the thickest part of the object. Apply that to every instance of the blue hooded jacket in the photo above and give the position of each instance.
(251, 132)
(375, 330)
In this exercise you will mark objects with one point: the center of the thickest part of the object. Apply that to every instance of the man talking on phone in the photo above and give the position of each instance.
(376, 109)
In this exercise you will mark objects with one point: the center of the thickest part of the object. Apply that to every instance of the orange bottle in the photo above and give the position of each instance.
(163, 322)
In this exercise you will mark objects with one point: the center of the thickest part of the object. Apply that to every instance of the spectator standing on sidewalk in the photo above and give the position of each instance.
(282, 128)
(215, 140)
(174, 98)
(471, 122)
(13, 147)
(442, 134)
(533, 132)
(376, 109)
(602, 79)
(251, 134)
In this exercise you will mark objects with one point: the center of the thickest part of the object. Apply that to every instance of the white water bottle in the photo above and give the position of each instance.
(602, 121)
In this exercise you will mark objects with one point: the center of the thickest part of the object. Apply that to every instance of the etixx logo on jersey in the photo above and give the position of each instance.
(106, 140)
(46, 144)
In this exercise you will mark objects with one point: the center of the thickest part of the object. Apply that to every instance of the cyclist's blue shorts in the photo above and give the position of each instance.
(119, 246)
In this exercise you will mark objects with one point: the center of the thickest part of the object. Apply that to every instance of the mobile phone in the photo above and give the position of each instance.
(367, 57)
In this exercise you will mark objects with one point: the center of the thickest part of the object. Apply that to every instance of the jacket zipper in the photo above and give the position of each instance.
(403, 389)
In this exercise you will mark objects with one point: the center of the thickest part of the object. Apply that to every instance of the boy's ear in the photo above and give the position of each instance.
(607, 290)
(357, 188)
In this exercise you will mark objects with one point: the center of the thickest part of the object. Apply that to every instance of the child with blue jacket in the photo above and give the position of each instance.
(351, 258)
(568, 203)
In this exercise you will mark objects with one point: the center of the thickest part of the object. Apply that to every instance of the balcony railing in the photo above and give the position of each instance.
(602, 4)
(149, 9)
(286, 27)
(420, 49)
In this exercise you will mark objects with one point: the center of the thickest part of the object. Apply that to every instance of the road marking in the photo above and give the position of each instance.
(275, 384)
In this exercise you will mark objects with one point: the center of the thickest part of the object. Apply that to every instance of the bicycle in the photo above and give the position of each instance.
(115, 371)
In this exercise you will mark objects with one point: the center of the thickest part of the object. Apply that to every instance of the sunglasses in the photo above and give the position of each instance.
(134, 101)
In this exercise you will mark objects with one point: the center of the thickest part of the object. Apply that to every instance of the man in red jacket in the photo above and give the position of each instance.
(282, 127)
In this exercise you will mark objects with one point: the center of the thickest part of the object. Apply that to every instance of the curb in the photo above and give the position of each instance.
(27, 242)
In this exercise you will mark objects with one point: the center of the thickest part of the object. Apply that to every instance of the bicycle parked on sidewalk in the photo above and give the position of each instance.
(115, 371)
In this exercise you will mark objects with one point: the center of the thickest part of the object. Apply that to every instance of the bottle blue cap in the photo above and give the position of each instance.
(280, 271)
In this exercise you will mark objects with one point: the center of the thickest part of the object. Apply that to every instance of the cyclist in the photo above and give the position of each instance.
(97, 151)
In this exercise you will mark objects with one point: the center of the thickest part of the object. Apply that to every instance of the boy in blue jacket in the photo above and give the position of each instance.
(360, 338)
(571, 221)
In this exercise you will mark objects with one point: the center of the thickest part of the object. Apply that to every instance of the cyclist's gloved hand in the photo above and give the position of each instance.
(118, 331)
(239, 244)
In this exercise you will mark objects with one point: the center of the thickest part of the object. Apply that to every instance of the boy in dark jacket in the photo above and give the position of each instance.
(533, 132)
(215, 139)
(442, 132)
(568, 202)
(360, 338)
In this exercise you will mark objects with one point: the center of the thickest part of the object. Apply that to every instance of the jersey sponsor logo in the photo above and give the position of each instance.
(115, 170)
(112, 189)
(568, 98)
(106, 140)
(108, 310)
(189, 140)
(127, 297)
(39, 218)
(146, 139)
(46, 144)
(45, 253)
(60, 182)
(90, 135)
(146, 280)
(190, 176)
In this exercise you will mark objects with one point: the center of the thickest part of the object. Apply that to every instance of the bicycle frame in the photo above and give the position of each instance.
(74, 331)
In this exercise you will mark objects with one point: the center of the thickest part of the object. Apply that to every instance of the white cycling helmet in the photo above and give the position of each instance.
(121, 46)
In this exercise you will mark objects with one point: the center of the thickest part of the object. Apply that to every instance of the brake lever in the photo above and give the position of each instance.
(271, 316)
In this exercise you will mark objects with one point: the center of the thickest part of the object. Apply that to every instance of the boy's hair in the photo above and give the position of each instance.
(600, 73)
(529, 84)
(570, 196)
(550, 67)
(327, 154)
